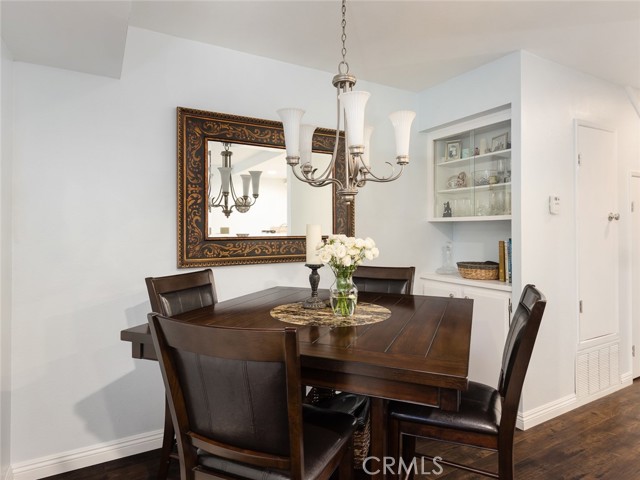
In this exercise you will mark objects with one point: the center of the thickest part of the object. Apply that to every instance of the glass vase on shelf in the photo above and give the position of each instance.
(343, 295)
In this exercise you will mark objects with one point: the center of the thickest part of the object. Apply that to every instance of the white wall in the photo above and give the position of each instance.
(94, 179)
(6, 112)
(552, 97)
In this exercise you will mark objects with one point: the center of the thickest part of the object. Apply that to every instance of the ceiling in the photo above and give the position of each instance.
(411, 45)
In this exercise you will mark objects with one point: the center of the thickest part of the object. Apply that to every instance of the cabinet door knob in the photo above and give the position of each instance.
(613, 216)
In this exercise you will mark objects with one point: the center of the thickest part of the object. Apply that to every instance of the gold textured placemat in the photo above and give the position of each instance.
(295, 313)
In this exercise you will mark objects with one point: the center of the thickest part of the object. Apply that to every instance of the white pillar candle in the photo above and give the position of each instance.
(314, 237)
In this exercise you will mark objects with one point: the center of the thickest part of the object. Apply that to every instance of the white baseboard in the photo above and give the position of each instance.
(8, 474)
(541, 414)
(86, 457)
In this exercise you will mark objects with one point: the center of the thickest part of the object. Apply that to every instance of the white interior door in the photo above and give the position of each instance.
(597, 227)
(635, 270)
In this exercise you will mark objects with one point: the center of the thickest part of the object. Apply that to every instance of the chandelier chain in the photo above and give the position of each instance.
(343, 63)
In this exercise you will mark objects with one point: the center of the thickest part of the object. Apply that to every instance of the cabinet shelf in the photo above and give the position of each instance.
(502, 154)
(462, 190)
(456, 279)
(478, 218)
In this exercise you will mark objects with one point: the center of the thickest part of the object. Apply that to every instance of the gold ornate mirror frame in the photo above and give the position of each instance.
(195, 248)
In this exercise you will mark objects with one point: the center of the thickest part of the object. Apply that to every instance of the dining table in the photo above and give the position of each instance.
(412, 348)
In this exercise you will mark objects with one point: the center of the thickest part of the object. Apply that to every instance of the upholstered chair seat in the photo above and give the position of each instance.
(480, 411)
(324, 433)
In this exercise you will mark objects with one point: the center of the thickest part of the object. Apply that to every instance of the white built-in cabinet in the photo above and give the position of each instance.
(470, 188)
(491, 315)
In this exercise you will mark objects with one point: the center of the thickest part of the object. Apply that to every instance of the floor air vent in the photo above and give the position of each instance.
(597, 370)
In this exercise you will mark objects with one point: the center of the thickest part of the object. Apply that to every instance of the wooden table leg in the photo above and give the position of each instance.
(378, 438)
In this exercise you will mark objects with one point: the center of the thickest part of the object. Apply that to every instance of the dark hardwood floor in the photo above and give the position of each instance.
(598, 440)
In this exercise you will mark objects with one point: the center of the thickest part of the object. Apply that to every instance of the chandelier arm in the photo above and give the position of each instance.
(390, 178)
(217, 201)
(320, 182)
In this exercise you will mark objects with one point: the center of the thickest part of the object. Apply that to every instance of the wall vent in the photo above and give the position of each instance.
(596, 370)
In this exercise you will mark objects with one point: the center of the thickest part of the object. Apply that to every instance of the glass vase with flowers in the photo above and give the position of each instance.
(343, 254)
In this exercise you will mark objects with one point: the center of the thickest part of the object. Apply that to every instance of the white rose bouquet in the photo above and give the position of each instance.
(343, 254)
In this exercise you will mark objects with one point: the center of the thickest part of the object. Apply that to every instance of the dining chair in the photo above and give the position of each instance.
(486, 417)
(172, 295)
(384, 279)
(234, 397)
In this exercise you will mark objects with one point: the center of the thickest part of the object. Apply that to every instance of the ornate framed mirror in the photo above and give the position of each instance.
(203, 244)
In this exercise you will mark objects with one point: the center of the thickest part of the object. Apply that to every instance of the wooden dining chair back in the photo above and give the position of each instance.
(175, 294)
(384, 279)
(172, 295)
(234, 397)
(486, 417)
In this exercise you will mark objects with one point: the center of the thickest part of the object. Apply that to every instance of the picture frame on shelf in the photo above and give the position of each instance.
(499, 143)
(454, 149)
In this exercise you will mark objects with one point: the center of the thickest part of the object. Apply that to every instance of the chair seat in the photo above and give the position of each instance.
(480, 411)
(324, 433)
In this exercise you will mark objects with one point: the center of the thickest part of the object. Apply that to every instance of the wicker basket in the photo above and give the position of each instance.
(362, 436)
(478, 270)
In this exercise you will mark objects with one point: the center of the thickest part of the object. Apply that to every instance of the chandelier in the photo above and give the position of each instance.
(227, 199)
(351, 106)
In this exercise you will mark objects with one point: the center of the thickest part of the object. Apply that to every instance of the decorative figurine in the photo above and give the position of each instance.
(447, 210)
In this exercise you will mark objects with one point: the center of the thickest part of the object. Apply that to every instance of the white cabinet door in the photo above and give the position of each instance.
(488, 333)
(440, 289)
(491, 315)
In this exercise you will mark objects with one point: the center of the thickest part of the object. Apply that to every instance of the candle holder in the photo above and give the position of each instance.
(313, 301)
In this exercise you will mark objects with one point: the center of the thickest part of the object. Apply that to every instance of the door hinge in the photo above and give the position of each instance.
(633, 350)
(632, 206)
(580, 305)
(579, 159)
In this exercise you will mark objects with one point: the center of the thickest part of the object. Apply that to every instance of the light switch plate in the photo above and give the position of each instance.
(554, 204)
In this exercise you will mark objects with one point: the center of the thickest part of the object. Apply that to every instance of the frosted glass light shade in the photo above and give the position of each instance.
(291, 125)
(306, 142)
(255, 181)
(246, 180)
(354, 104)
(225, 175)
(368, 130)
(401, 122)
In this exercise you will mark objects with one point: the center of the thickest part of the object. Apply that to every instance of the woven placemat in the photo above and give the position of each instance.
(295, 313)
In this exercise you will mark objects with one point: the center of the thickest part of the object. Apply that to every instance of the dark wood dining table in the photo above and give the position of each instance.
(420, 353)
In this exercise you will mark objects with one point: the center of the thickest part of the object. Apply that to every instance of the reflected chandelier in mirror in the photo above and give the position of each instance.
(196, 128)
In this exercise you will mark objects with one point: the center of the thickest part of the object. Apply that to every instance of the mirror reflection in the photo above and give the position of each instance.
(252, 192)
